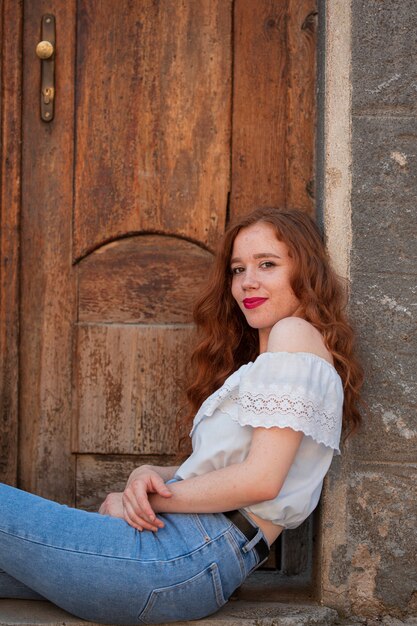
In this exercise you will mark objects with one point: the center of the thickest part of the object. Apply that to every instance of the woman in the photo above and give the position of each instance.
(274, 371)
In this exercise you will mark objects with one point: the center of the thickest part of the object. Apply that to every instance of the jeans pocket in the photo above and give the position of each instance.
(193, 598)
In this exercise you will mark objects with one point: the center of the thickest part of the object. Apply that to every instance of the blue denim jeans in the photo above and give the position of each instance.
(101, 569)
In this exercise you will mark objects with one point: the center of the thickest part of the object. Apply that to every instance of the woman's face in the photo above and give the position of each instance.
(261, 269)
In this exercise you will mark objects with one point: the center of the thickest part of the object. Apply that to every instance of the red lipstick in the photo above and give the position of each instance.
(252, 303)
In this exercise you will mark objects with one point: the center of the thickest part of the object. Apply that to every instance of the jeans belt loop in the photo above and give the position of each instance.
(252, 532)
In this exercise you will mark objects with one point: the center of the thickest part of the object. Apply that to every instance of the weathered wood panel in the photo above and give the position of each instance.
(301, 107)
(273, 105)
(99, 475)
(259, 105)
(10, 106)
(128, 381)
(47, 285)
(156, 117)
(142, 279)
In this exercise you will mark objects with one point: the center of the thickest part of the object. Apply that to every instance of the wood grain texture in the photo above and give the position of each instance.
(10, 106)
(259, 105)
(128, 382)
(301, 108)
(142, 279)
(47, 284)
(156, 117)
(273, 105)
(98, 475)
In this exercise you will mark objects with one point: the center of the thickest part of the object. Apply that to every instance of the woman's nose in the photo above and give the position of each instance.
(250, 280)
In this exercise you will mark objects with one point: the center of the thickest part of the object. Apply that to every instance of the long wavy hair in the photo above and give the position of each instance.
(225, 341)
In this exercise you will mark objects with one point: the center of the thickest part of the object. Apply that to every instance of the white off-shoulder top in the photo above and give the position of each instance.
(285, 389)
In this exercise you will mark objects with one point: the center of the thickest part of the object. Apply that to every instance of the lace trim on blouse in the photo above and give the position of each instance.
(296, 390)
(285, 411)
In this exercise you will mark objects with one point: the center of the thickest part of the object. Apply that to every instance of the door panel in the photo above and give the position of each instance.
(100, 474)
(47, 280)
(128, 383)
(152, 119)
(259, 106)
(135, 299)
(10, 176)
(301, 44)
(273, 105)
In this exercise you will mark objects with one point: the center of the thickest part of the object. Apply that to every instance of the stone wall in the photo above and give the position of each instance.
(369, 538)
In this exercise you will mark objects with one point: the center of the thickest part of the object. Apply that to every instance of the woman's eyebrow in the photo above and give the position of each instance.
(259, 255)
(262, 255)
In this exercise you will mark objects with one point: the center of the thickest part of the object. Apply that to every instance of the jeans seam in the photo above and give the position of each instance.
(217, 583)
(201, 528)
(237, 550)
(113, 556)
(63, 549)
(212, 570)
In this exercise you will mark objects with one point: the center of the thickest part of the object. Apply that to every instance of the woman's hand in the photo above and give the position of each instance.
(112, 505)
(137, 510)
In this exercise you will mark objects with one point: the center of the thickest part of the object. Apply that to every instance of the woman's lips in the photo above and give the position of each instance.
(252, 303)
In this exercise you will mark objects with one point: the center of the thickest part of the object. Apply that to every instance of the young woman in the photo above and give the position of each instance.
(274, 378)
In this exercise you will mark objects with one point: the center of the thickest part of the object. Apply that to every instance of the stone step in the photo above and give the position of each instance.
(235, 613)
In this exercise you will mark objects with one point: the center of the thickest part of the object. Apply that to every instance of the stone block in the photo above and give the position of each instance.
(388, 432)
(384, 192)
(382, 504)
(383, 310)
(384, 72)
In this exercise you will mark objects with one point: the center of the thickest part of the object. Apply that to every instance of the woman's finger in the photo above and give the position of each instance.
(138, 496)
(137, 522)
(136, 519)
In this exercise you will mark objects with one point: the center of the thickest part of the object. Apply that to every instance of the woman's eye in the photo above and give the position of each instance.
(237, 270)
(268, 264)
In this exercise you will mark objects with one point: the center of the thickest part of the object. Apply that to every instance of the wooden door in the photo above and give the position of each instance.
(171, 117)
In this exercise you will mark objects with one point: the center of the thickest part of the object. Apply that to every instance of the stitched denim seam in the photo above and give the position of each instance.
(237, 550)
(48, 545)
(113, 556)
(218, 588)
(200, 525)
(213, 569)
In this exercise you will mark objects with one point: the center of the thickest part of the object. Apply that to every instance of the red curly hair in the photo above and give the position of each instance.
(226, 341)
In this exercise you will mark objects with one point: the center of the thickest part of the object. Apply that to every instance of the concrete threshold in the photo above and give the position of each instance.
(235, 613)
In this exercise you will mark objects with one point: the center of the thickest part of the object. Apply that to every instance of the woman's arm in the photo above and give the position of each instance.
(258, 478)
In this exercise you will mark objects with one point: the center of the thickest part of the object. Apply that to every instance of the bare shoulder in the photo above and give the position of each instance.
(294, 334)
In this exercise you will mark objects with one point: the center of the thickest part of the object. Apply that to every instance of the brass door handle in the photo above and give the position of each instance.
(45, 50)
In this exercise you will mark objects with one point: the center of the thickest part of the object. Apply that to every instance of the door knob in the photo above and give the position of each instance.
(44, 49)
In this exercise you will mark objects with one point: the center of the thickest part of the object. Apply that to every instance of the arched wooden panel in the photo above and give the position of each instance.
(153, 85)
(135, 299)
(143, 279)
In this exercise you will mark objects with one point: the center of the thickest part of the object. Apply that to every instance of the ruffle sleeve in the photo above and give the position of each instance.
(286, 389)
